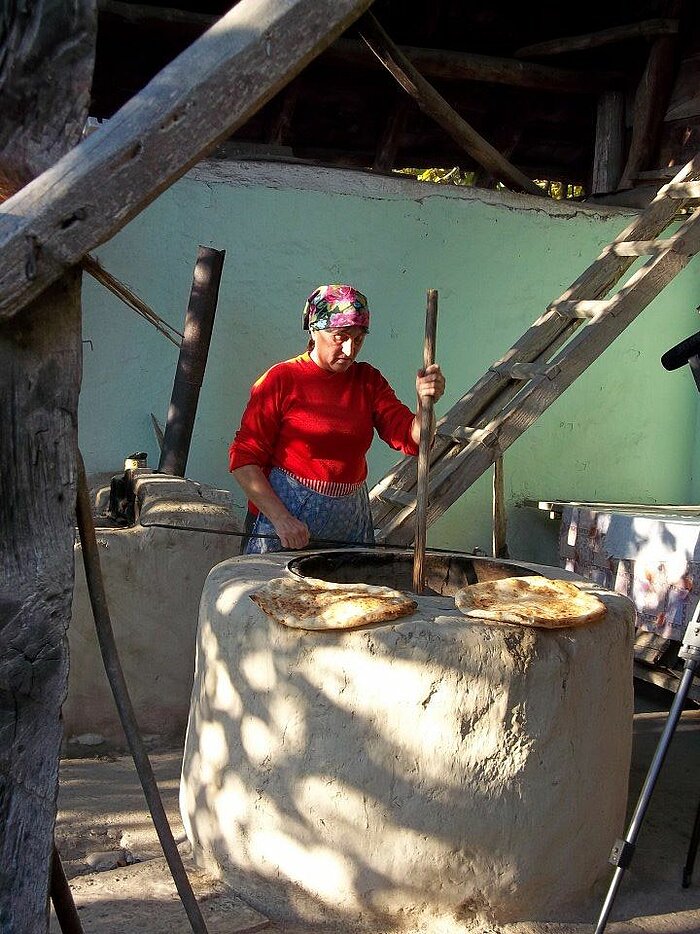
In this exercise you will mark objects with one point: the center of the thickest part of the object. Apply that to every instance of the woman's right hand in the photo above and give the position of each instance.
(291, 531)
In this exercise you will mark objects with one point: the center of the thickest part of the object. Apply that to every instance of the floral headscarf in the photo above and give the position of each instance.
(335, 306)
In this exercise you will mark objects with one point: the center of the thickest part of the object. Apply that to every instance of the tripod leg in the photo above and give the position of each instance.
(692, 850)
(623, 850)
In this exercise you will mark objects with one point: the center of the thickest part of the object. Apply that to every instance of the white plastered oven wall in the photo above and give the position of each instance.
(435, 764)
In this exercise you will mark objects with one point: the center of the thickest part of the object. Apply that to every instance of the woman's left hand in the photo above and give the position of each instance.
(430, 383)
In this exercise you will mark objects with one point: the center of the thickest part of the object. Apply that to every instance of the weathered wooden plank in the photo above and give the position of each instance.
(435, 106)
(40, 367)
(646, 29)
(494, 390)
(198, 99)
(47, 51)
(651, 101)
(609, 141)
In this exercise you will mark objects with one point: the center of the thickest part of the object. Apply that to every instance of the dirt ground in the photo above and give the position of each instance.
(120, 881)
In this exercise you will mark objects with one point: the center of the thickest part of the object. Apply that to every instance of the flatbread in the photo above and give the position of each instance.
(317, 605)
(530, 601)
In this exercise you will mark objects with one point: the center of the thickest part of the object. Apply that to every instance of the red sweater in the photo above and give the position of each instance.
(319, 425)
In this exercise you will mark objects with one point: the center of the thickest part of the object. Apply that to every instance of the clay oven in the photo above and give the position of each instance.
(434, 763)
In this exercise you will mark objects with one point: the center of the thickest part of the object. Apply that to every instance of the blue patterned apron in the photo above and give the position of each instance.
(338, 519)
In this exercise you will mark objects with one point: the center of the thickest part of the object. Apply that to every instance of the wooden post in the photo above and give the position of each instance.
(426, 419)
(651, 101)
(40, 369)
(609, 142)
(500, 546)
(40, 363)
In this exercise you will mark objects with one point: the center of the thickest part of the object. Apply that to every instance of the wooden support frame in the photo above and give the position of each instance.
(435, 106)
(197, 100)
(651, 101)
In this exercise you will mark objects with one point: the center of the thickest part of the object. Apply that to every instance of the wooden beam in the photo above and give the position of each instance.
(432, 63)
(448, 65)
(197, 100)
(47, 51)
(435, 106)
(651, 102)
(139, 13)
(647, 29)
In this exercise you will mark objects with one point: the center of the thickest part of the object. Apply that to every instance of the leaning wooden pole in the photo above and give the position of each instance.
(192, 362)
(426, 421)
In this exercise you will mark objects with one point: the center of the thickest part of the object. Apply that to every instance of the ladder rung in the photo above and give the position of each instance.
(396, 496)
(588, 308)
(641, 247)
(526, 370)
(682, 190)
(461, 434)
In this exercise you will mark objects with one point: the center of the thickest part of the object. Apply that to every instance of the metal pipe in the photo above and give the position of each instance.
(192, 361)
(117, 682)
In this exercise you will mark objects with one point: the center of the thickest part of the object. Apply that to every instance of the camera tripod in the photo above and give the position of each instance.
(623, 850)
(687, 351)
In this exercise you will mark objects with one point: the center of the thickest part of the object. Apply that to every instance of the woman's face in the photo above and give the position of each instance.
(335, 349)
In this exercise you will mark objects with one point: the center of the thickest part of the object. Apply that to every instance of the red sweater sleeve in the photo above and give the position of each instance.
(392, 418)
(255, 440)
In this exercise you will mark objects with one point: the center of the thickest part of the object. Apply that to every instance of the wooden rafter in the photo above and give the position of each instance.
(435, 106)
(647, 29)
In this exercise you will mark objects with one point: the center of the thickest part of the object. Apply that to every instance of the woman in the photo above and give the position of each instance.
(299, 454)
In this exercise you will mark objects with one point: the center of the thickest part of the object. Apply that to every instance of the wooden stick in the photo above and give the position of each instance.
(499, 543)
(426, 418)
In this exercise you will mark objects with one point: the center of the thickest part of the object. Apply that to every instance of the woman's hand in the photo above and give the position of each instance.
(430, 383)
(292, 532)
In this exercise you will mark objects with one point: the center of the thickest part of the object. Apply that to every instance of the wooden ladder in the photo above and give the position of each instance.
(545, 360)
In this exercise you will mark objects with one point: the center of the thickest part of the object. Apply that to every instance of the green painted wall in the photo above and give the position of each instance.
(624, 431)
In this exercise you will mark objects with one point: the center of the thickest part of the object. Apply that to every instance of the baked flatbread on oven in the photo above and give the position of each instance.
(317, 605)
(530, 601)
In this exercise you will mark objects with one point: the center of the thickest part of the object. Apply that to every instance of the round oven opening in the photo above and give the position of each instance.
(445, 573)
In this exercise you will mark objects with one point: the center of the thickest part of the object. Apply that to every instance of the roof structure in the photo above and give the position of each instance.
(599, 95)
